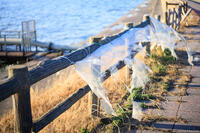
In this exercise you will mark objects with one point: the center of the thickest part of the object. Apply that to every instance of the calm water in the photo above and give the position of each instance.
(65, 22)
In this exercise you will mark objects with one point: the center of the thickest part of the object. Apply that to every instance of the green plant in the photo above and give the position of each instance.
(137, 95)
(158, 69)
(83, 130)
(117, 120)
(143, 105)
(165, 85)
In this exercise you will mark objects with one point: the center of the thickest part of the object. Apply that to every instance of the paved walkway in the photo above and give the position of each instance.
(184, 107)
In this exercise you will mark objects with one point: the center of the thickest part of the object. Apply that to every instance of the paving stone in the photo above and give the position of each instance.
(195, 71)
(169, 110)
(190, 104)
(173, 98)
(195, 90)
(195, 82)
(186, 69)
(190, 116)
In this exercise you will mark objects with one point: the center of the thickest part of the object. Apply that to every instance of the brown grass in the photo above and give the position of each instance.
(78, 116)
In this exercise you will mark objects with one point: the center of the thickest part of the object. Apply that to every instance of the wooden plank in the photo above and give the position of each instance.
(94, 99)
(21, 100)
(45, 69)
(8, 88)
(66, 104)
(59, 109)
(184, 17)
(11, 86)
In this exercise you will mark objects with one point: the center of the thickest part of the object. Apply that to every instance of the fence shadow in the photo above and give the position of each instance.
(177, 126)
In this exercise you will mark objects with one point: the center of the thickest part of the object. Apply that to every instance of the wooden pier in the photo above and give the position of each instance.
(22, 45)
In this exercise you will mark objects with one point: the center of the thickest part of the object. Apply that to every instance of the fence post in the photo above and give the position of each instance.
(146, 18)
(95, 101)
(94, 105)
(166, 18)
(158, 17)
(129, 25)
(21, 100)
(95, 39)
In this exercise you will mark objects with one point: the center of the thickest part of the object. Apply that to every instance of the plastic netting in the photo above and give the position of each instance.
(125, 47)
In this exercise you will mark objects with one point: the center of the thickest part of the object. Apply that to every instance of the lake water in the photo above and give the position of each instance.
(64, 22)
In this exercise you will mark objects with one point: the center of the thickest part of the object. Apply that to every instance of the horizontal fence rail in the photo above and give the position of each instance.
(66, 104)
(18, 87)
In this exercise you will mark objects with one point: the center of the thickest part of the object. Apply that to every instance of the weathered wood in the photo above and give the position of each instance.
(66, 104)
(158, 17)
(45, 69)
(95, 39)
(184, 17)
(94, 99)
(59, 109)
(146, 18)
(21, 100)
(173, 18)
(50, 67)
(8, 88)
(129, 25)
(93, 104)
(166, 18)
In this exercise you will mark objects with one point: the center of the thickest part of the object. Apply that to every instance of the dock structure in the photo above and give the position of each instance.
(17, 44)
(20, 45)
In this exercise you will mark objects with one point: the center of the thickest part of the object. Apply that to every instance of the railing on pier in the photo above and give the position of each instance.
(20, 80)
(22, 39)
(175, 16)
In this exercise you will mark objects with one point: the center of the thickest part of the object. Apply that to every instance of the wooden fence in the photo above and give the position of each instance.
(20, 79)
(174, 16)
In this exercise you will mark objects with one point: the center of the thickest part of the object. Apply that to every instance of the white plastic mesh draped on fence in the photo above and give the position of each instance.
(121, 48)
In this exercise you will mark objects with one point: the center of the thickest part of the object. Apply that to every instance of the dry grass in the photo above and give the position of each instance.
(78, 116)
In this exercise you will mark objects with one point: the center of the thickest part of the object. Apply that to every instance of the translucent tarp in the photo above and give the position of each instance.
(125, 48)
(166, 37)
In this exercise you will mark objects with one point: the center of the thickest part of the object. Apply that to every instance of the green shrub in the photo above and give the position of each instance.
(137, 95)
(83, 130)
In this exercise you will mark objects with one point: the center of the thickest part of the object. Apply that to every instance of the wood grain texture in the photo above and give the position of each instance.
(21, 100)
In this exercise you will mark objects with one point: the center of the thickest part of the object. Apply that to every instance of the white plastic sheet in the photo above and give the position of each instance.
(121, 48)
(166, 37)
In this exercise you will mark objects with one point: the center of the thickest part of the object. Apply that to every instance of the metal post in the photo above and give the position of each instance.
(34, 30)
(18, 34)
(23, 46)
(5, 43)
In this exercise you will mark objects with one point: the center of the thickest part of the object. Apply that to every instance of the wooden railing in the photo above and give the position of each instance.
(20, 79)
(175, 16)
